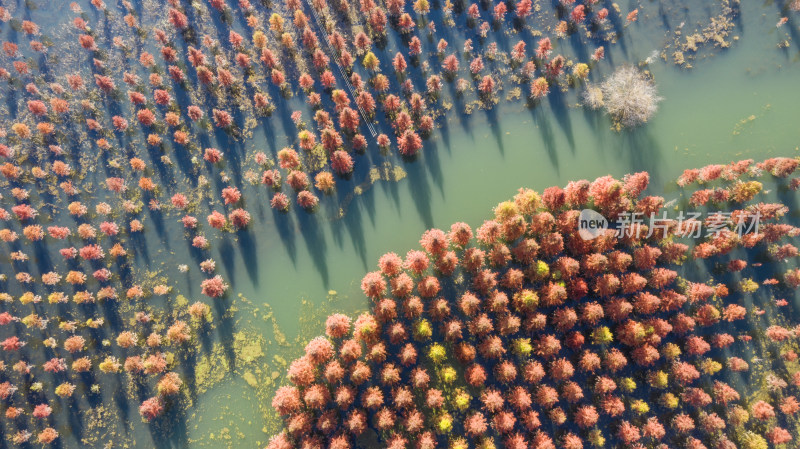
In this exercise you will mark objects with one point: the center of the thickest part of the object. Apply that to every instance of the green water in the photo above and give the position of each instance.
(734, 104)
(479, 164)
(739, 103)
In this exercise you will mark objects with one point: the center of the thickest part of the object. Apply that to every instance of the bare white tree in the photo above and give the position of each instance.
(630, 97)
(593, 97)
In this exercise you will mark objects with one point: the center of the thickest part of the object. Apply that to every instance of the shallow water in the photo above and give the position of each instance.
(737, 103)
(474, 162)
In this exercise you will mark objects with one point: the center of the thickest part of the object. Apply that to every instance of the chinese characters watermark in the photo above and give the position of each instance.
(592, 224)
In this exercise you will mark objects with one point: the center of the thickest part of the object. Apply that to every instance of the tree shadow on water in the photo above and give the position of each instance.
(558, 106)
(335, 208)
(172, 431)
(123, 406)
(285, 226)
(617, 23)
(420, 191)
(433, 164)
(157, 219)
(460, 114)
(188, 361)
(643, 151)
(664, 16)
(138, 243)
(76, 426)
(542, 121)
(599, 127)
(390, 188)
(352, 222)
(225, 329)
(247, 244)
(494, 124)
(366, 201)
(310, 229)
(444, 132)
(226, 252)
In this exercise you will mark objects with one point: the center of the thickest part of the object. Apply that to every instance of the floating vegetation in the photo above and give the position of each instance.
(526, 333)
(715, 34)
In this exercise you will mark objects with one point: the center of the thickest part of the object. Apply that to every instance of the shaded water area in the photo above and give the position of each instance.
(288, 271)
(477, 160)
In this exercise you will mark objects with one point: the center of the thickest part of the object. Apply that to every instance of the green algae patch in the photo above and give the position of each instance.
(212, 368)
(248, 349)
(250, 378)
(280, 337)
(280, 361)
(208, 373)
(181, 301)
(316, 158)
(104, 428)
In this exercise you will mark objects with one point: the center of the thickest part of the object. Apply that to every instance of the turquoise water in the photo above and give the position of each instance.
(475, 162)
(472, 164)
(733, 104)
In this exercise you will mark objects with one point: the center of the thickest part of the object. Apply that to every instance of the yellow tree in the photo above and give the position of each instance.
(276, 23)
(371, 61)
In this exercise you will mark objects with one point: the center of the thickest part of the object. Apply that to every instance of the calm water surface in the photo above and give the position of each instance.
(740, 103)
(288, 271)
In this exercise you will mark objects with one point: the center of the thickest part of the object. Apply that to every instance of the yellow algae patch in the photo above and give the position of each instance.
(737, 129)
(514, 94)
(103, 428)
(280, 337)
(181, 301)
(315, 158)
(692, 41)
(212, 368)
(248, 349)
(250, 378)
(280, 361)
(715, 32)
(208, 373)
